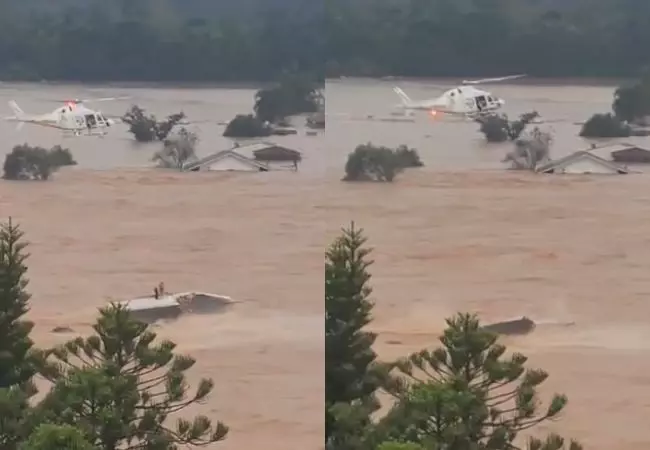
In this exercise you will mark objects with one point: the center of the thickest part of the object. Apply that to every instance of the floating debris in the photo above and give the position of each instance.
(522, 325)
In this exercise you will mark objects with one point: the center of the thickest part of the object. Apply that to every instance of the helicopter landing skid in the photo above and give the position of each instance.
(78, 133)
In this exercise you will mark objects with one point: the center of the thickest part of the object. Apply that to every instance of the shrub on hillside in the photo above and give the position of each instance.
(35, 163)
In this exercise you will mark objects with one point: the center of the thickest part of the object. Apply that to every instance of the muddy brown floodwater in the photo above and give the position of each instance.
(97, 236)
(560, 250)
(460, 234)
(572, 253)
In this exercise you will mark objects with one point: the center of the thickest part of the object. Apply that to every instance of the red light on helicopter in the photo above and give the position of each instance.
(433, 113)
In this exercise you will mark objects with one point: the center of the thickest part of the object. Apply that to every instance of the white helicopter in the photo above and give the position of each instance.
(73, 117)
(465, 100)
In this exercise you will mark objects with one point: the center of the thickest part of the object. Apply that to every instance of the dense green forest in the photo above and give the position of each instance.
(159, 40)
(550, 38)
(250, 40)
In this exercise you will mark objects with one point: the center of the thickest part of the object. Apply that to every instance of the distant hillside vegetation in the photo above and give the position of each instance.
(159, 40)
(424, 38)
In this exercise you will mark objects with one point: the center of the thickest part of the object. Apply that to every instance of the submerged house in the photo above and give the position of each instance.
(257, 157)
(226, 160)
(275, 156)
(622, 153)
(582, 162)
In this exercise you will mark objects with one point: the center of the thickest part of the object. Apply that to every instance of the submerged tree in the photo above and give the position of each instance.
(177, 150)
(498, 128)
(531, 150)
(147, 128)
(351, 373)
(294, 94)
(632, 102)
(605, 126)
(246, 126)
(369, 162)
(468, 394)
(120, 389)
(35, 163)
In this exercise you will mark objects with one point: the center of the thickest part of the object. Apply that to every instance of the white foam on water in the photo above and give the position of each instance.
(630, 337)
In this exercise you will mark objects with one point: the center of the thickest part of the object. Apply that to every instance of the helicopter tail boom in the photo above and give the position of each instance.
(493, 80)
(18, 112)
(406, 100)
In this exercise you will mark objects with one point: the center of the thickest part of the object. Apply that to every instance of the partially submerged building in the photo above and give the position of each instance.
(622, 153)
(169, 306)
(226, 160)
(582, 162)
(255, 157)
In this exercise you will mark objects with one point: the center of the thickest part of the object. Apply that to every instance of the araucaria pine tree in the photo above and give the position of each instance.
(16, 367)
(351, 373)
(16, 359)
(468, 394)
(56, 437)
(120, 389)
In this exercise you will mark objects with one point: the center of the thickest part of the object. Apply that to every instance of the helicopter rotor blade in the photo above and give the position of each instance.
(104, 99)
(493, 80)
(88, 100)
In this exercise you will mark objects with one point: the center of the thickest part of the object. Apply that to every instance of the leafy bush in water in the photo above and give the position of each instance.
(497, 128)
(295, 94)
(632, 103)
(35, 163)
(147, 128)
(531, 150)
(408, 157)
(246, 126)
(60, 157)
(372, 163)
(605, 126)
(177, 150)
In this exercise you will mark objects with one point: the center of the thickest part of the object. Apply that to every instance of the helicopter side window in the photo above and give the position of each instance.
(90, 120)
(480, 102)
